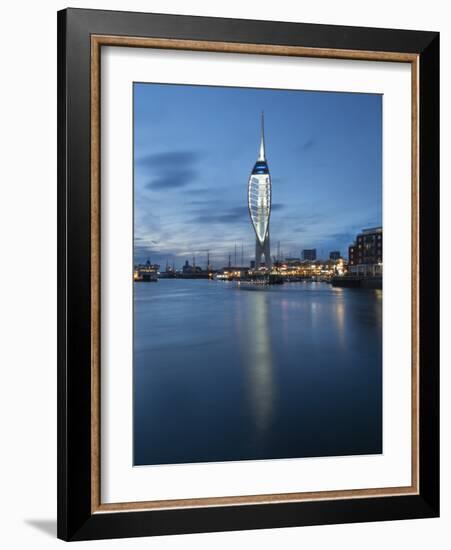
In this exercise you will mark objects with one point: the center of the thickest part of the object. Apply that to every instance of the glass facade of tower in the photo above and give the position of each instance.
(259, 202)
(259, 199)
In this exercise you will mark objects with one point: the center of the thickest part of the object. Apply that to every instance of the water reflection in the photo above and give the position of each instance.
(259, 362)
(227, 374)
(339, 311)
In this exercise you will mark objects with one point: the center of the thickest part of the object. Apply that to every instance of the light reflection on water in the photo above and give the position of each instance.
(227, 374)
(259, 363)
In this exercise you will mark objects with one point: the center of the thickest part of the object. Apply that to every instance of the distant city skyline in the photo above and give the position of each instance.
(195, 146)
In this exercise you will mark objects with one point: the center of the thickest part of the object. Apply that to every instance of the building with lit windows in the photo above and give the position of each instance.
(365, 254)
(309, 254)
(259, 203)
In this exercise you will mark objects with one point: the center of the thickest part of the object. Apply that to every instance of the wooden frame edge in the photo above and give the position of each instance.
(95, 276)
(235, 47)
(229, 47)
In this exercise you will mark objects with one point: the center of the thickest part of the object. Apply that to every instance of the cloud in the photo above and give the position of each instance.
(173, 179)
(231, 215)
(199, 191)
(312, 218)
(141, 252)
(236, 214)
(170, 170)
(307, 144)
(199, 202)
(169, 159)
(348, 236)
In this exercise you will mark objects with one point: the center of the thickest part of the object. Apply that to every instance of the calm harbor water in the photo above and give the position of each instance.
(222, 373)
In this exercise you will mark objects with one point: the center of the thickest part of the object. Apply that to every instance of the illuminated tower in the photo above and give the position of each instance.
(259, 202)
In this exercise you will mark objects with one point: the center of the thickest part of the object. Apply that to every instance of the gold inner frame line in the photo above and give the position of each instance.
(97, 41)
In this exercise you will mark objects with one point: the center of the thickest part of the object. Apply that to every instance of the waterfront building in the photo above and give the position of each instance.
(335, 255)
(309, 254)
(293, 262)
(365, 254)
(232, 273)
(146, 272)
(259, 203)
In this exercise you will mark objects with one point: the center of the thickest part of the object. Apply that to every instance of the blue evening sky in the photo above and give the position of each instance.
(195, 146)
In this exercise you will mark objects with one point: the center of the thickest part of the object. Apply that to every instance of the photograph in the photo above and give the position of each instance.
(257, 274)
(248, 272)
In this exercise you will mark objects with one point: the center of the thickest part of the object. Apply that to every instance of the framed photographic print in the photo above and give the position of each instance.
(248, 284)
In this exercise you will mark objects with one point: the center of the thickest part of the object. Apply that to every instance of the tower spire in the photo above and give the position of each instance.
(262, 155)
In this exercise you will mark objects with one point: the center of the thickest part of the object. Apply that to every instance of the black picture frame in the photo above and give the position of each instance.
(76, 521)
